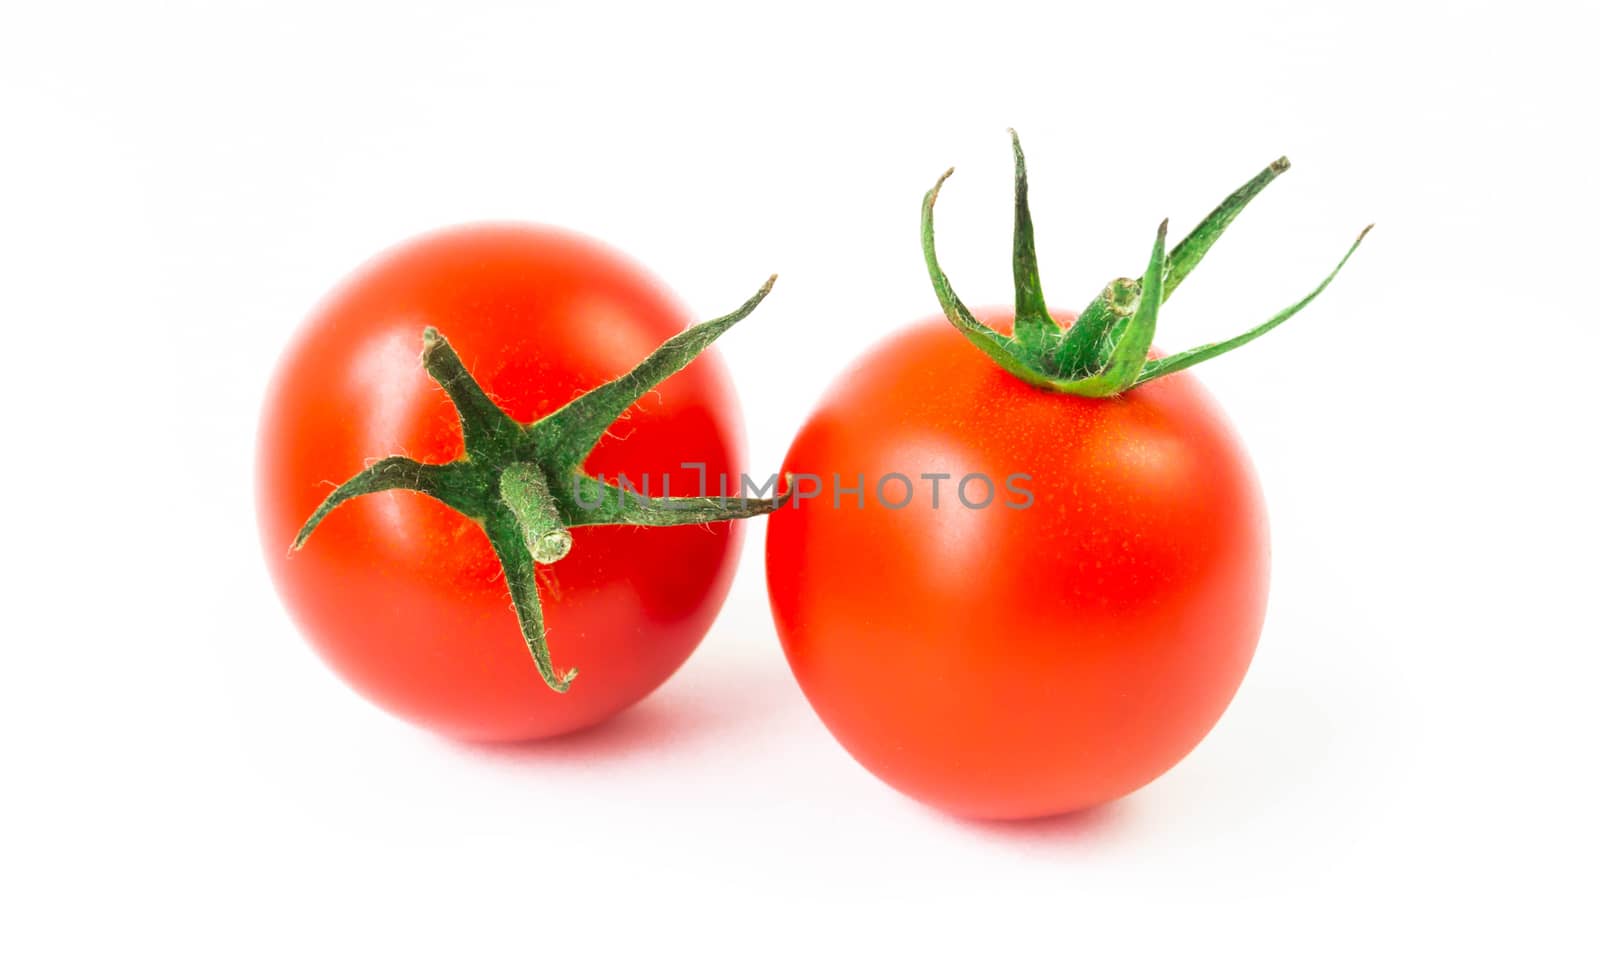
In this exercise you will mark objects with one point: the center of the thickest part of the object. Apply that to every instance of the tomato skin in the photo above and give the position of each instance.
(1013, 663)
(402, 596)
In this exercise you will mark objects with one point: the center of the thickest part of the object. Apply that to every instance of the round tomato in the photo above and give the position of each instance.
(1015, 647)
(1025, 562)
(402, 594)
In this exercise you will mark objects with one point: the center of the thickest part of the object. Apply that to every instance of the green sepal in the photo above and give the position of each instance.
(522, 484)
(1086, 344)
(483, 424)
(1187, 254)
(1105, 351)
(997, 346)
(517, 560)
(567, 435)
(1177, 362)
(594, 501)
(1034, 326)
(453, 484)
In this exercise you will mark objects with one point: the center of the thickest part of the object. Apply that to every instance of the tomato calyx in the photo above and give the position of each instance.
(524, 484)
(1106, 351)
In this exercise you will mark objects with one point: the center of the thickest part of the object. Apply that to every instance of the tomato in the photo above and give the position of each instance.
(1025, 565)
(404, 596)
(1005, 661)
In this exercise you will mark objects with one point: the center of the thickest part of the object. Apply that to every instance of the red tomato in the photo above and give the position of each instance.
(404, 597)
(1012, 662)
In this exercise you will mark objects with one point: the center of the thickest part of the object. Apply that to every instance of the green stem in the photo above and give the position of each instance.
(1082, 348)
(524, 491)
(1132, 346)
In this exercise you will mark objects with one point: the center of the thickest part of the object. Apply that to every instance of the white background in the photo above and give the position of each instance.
(1406, 776)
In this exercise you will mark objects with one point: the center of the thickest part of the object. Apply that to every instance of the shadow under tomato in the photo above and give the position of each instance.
(1091, 825)
(699, 704)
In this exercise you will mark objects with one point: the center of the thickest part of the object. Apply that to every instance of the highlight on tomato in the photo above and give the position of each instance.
(458, 534)
(1001, 658)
